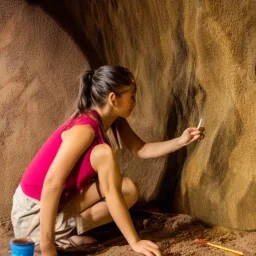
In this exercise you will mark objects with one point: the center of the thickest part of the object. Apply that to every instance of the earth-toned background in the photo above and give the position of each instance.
(192, 59)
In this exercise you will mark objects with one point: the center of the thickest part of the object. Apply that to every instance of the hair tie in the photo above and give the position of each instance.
(88, 77)
(87, 81)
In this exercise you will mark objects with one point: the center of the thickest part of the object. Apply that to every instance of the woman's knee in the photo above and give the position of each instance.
(103, 149)
(129, 189)
(102, 152)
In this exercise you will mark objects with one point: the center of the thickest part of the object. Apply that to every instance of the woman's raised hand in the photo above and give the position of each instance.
(190, 135)
(147, 248)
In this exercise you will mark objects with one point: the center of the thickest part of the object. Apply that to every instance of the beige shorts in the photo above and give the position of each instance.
(25, 219)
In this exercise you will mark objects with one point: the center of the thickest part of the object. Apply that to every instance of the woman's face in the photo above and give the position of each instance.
(127, 101)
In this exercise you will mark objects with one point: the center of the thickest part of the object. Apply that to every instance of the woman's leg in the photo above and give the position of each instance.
(86, 200)
(98, 214)
(92, 208)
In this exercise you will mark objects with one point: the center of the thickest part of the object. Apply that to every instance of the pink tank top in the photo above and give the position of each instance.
(33, 178)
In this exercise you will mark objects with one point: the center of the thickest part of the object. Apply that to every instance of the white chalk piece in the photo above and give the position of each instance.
(199, 125)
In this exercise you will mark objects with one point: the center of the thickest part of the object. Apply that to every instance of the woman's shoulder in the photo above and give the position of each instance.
(79, 132)
(84, 119)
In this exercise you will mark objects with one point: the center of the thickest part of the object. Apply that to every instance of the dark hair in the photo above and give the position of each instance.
(96, 85)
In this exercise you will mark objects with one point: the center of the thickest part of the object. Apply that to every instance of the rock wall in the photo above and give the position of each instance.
(218, 182)
(192, 60)
(125, 34)
(39, 68)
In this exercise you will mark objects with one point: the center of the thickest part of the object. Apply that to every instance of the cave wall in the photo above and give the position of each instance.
(39, 68)
(192, 60)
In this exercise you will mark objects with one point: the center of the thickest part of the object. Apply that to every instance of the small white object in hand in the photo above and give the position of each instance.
(199, 125)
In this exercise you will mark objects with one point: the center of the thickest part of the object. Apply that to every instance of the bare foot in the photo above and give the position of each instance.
(82, 240)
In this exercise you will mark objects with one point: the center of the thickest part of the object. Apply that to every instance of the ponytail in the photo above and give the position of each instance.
(84, 102)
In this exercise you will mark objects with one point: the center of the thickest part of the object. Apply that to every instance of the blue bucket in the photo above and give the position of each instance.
(22, 247)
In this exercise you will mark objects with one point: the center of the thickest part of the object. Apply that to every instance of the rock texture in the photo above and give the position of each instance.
(192, 60)
(39, 68)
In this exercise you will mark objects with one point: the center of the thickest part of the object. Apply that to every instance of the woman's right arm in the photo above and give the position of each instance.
(74, 142)
(110, 180)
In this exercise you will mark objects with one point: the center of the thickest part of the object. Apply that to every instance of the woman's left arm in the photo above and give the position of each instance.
(156, 149)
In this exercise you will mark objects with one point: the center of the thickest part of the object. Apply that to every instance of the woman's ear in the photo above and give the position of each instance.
(112, 99)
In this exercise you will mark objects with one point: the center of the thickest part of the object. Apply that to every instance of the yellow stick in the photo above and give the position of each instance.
(226, 249)
(218, 246)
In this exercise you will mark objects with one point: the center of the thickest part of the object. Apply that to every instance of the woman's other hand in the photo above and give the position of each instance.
(190, 135)
(147, 248)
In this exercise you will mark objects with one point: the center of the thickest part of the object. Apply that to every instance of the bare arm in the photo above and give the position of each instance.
(75, 142)
(156, 149)
(110, 180)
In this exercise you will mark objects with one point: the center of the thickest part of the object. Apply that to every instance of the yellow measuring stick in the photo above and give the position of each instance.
(217, 246)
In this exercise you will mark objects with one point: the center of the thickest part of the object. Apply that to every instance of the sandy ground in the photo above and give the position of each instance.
(175, 234)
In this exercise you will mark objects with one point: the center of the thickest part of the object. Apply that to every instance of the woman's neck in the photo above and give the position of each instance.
(106, 117)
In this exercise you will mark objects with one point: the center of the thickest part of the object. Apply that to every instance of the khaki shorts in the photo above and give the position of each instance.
(25, 219)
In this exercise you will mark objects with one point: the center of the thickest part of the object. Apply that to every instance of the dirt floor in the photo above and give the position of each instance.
(175, 234)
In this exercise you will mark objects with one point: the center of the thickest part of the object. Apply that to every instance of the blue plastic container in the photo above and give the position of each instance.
(22, 247)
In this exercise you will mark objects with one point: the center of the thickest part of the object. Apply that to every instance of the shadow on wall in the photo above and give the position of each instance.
(59, 11)
(228, 137)
(188, 102)
(174, 167)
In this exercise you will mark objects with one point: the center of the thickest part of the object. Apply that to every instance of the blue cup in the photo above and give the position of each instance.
(22, 247)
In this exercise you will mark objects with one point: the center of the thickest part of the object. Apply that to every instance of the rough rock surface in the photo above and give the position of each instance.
(39, 68)
(192, 60)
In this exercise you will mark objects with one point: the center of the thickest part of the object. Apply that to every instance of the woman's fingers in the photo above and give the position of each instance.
(155, 251)
(147, 248)
(195, 138)
(151, 244)
(195, 133)
(153, 248)
(147, 253)
(191, 129)
(151, 252)
(198, 134)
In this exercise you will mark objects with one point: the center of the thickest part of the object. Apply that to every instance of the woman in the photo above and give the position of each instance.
(74, 181)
